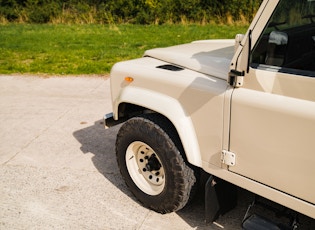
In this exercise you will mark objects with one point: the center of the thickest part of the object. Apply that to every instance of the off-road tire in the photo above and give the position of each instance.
(155, 135)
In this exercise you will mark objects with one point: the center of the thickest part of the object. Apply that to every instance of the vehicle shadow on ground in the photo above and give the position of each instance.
(101, 142)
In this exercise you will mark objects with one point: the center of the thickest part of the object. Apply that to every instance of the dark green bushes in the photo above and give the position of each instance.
(128, 11)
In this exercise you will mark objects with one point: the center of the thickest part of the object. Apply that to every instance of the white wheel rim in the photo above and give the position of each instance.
(145, 168)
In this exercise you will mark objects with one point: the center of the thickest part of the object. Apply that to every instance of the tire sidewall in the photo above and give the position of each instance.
(139, 129)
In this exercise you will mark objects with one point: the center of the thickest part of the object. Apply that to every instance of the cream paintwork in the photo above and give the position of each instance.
(184, 97)
(272, 129)
(212, 57)
(262, 190)
(209, 115)
(272, 134)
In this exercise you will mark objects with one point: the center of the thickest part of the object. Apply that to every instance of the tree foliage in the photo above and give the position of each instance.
(128, 11)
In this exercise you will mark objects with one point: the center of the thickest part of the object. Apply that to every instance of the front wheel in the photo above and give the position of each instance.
(152, 165)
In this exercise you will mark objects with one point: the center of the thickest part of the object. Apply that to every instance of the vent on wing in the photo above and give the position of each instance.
(170, 67)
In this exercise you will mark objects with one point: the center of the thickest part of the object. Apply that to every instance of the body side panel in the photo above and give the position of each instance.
(262, 190)
(272, 128)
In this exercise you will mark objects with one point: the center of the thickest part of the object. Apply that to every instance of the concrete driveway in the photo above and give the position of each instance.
(57, 162)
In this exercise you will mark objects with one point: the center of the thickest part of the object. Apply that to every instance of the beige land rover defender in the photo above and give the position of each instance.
(242, 110)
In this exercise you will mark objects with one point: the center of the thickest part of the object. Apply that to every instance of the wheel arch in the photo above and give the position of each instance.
(134, 101)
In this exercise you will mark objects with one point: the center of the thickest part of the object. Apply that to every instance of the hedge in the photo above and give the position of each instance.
(128, 11)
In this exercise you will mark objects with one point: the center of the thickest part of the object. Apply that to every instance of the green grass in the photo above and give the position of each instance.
(91, 49)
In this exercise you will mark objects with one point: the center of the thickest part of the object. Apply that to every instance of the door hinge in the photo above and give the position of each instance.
(228, 158)
(236, 78)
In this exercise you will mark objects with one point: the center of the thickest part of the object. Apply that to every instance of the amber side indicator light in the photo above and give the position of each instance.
(129, 79)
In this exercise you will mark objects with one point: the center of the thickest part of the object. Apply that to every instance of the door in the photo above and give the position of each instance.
(272, 128)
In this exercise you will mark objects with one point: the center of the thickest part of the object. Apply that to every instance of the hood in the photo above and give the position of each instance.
(212, 57)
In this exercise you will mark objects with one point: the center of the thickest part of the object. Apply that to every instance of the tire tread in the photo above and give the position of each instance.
(160, 130)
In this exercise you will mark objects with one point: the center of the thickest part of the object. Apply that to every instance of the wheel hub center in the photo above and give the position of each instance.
(153, 163)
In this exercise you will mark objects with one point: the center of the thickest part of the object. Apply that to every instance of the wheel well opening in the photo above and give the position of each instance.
(127, 110)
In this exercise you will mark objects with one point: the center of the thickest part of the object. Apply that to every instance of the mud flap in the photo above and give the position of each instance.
(220, 197)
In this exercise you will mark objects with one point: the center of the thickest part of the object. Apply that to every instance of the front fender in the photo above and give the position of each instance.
(192, 101)
(168, 107)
